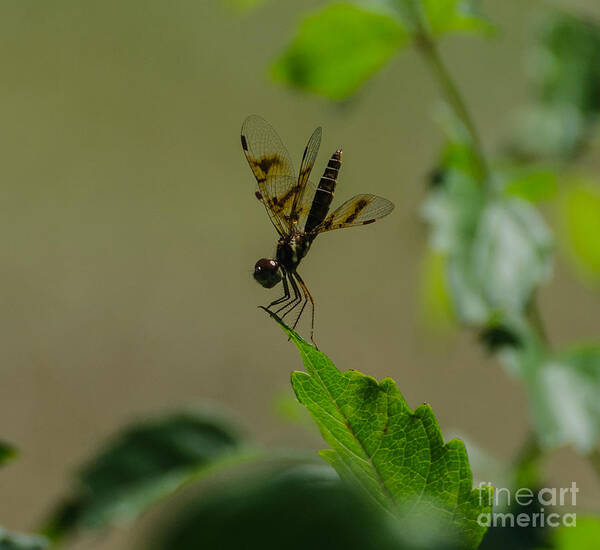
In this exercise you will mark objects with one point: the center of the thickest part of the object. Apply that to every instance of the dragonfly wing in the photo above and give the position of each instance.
(303, 198)
(273, 169)
(359, 210)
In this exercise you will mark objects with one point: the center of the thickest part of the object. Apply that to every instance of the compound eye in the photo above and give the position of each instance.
(266, 272)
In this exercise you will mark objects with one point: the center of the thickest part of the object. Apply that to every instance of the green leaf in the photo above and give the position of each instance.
(446, 16)
(569, 63)
(7, 452)
(146, 462)
(580, 212)
(532, 184)
(547, 131)
(566, 67)
(18, 541)
(296, 509)
(511, 255)
(396, 456)
(498, 248)
(436, 300)
(437, 17)
(564, 392)
(562, 387)
(337, 49)
(584, 536)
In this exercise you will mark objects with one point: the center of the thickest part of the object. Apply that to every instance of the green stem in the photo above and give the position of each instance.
(428, 48)
(594, 459)
(535, 320)
(526, 462)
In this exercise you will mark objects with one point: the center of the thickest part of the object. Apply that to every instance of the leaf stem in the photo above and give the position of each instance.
(428, 47)
(526, 462)
(594, 458)
(535, 320)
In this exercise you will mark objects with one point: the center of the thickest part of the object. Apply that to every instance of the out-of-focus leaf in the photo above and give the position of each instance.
(532, 184)
(566, 71)
(337, 49)
(397, 457)
(18, 541)
(511, 255)
(437, 304)
(498, 248)
(7, 452)
(458, 154)
(453, 211)
(298, 509)
(446, 16)
(496, 245)
(435, 16)
(146, 462)
(460, 157)
(564, 394)
(584, 536)
(497, 336)
(288, 408)
(580, 212)
(562, 387)
(547, 131)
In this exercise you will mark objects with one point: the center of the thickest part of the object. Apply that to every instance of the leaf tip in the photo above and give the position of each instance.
(292, 334)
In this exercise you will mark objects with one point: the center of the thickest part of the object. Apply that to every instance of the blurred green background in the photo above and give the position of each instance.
(129, 232)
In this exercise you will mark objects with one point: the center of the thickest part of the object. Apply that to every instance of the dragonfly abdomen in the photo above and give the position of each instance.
(324, 193)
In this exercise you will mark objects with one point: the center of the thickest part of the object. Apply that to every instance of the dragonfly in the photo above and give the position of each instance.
(298, 210)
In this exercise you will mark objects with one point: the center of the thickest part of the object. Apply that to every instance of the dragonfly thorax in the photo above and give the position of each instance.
(291, 250)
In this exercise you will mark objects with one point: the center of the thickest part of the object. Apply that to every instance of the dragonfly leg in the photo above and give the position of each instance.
(304, 302)
(292, 304)
(286, 292)
(312, 304)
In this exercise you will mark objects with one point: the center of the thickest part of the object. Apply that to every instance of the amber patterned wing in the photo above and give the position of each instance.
(305, 191)
(271, 164)
(359, 210)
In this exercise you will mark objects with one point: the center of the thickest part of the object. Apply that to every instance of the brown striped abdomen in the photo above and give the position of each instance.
(324, 193)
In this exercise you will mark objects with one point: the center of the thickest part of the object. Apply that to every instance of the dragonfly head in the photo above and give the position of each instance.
(267, 272)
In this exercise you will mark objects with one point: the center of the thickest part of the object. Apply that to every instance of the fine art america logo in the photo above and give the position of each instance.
(504, 498)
